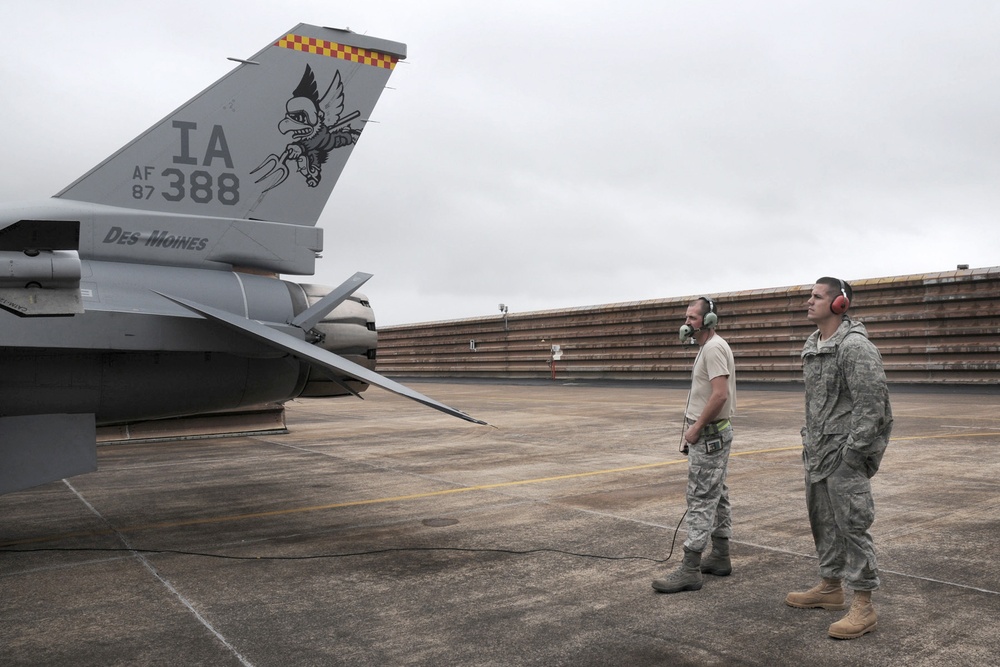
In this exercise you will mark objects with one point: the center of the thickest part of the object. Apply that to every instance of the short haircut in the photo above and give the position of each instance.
(834, 286)
(706, 305)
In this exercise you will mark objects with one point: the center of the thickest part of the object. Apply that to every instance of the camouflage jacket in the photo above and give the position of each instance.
(848, 415)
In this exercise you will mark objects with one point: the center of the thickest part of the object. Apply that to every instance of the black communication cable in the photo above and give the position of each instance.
(372, 552)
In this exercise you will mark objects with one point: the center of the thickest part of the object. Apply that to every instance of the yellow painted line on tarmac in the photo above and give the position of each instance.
(427, 494)
(370, 501)
(994, 434)
(433, 494)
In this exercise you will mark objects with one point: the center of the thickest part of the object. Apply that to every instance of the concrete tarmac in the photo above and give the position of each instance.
(380, 532)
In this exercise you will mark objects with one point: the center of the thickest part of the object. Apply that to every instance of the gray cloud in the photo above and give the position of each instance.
(550, 155)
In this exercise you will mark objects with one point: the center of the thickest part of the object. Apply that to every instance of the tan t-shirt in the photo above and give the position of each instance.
(714, 359)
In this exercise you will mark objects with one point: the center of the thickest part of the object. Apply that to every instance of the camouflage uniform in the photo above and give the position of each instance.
(709, 514)
(848, 423)
(709, 511)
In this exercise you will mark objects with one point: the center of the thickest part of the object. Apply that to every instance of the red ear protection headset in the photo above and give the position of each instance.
(840, 305)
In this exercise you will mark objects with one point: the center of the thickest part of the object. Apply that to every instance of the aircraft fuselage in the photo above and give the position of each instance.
(134, 355)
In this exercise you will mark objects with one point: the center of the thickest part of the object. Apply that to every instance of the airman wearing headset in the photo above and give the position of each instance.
(707, 439)
(848, 424)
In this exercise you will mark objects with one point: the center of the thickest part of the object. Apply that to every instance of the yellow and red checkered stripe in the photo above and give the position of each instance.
(324, 48)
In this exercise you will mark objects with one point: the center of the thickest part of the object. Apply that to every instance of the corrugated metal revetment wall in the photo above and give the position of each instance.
(942, 327)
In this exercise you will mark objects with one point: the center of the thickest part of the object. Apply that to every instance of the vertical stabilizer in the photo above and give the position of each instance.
(267, 141)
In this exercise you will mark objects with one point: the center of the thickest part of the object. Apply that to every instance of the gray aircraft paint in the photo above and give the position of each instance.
(218, 138)
(131, 235)
(149, 287)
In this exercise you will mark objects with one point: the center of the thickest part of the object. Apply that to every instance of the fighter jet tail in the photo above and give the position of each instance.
(268, 141)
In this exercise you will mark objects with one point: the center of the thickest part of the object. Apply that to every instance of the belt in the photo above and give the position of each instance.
(714, 427)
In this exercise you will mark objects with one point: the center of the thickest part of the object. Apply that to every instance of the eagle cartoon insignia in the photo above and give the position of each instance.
(305, 121)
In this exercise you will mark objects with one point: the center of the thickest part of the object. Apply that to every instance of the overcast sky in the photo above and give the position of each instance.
(560, 154)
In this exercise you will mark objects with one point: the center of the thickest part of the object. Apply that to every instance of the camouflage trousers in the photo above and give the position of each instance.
(708, 510)
(841, 511)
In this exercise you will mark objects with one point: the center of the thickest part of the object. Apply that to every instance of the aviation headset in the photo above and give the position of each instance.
(840, 304)
(708, 321)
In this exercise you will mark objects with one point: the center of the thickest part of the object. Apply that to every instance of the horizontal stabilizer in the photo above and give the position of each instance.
(37, 449)
(35, 302)
(314, 355)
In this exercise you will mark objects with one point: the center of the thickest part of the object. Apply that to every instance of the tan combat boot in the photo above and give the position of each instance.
(860, 620)
(828, 594)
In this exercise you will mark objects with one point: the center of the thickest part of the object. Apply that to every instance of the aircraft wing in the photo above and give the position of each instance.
(314, 355)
